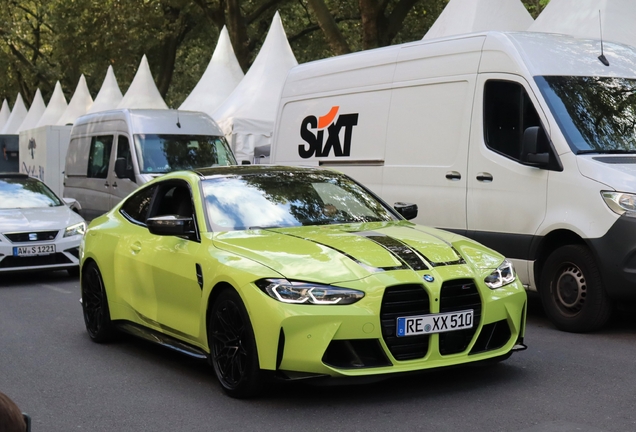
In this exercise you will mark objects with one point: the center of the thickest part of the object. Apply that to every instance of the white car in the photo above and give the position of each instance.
(38, 230)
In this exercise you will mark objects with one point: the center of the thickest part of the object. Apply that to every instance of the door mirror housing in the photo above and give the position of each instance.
(171, 225)
(122, 171)
(407, 210)
(535, 138)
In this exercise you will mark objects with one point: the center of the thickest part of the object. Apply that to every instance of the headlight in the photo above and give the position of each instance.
(504, 275)
(77, 229)
(308, 293)
(620, 202)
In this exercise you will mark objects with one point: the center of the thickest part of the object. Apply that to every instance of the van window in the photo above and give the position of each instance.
(164, 153)
(123, 152)
(508, 111)
(136, 207)
(99, 156)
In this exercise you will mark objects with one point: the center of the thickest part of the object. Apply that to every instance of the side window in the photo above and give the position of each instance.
(137, 206)
(123, 153)
(99, 156)
(173, 199)
(508, 112)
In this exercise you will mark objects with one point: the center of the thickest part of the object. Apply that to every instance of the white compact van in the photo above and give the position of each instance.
(525, 142)
(111, 153)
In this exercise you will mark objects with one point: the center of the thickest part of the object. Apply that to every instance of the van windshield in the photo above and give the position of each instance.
(160, 153)
(595, 114)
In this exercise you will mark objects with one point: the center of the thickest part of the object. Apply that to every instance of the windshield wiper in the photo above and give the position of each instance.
(612, 151)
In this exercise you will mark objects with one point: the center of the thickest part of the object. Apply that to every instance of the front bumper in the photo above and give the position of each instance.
(65, 257)
(359, 339)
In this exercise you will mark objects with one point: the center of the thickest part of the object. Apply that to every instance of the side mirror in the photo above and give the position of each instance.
(407, 210)
(535, 138)
(73, 204)
(170, 225)
(122, 172)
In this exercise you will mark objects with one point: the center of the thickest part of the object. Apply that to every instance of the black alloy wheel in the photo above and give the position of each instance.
(572, 290)
(95, 304)
(233, 346)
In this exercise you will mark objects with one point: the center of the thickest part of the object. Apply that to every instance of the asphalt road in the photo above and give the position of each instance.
(49, 367)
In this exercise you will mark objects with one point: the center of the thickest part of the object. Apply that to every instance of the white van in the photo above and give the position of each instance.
(111, 153)
(525, 142)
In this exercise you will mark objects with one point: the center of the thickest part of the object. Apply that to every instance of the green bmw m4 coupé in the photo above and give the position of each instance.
(294, 273)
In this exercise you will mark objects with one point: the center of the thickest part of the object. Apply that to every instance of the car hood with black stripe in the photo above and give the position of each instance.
(339, 253)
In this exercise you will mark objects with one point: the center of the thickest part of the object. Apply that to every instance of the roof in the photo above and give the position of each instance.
(13, 175)
(225, 171)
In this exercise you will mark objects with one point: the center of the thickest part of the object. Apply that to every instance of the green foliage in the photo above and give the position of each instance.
(43, 41)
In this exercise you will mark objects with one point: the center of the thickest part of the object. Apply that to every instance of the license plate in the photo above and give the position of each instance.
(33, 250)
(435, 323)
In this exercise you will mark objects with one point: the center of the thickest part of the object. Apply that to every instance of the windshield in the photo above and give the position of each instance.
(596, 114)
(164, 153)
(25, 192)
(289, 198)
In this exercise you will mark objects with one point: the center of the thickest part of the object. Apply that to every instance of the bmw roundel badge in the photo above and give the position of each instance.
(428, 278)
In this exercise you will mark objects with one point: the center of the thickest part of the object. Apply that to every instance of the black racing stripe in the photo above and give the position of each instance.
(360, 263)
(460, 260)
(400, 250)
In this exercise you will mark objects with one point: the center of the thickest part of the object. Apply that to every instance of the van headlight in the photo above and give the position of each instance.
(77, 229)
(502, 276)
(308, 293)
(620, 202)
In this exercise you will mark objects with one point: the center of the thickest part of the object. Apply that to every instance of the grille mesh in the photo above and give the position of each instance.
(459, 295)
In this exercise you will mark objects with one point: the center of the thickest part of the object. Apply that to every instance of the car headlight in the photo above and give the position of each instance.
(77, 229)
(620, 202)
(308, 293)
(502, 276)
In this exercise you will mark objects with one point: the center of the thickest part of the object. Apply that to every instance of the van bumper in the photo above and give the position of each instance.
(616, 256)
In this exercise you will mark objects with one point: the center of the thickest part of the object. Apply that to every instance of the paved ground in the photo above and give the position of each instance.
(563, 382)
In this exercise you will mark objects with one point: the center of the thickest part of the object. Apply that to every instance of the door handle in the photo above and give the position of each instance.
(106, 184)
(135, 247)
(453, 175)
(115, 184)
(484, 177)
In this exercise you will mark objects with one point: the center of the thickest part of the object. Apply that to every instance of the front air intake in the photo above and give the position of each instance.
(459, 295)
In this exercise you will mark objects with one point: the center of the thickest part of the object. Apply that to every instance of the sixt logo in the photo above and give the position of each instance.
(314, 140)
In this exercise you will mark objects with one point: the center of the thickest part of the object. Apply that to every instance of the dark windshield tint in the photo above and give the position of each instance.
(24, 192)
(596, 114)
(165, 153)
(283, 199)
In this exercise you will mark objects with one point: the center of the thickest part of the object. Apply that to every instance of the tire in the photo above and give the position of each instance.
(95, 305)
(233, 352)
(572, 291)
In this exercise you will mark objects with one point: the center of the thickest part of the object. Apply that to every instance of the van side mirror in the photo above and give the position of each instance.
(407, 210)
(122, 172)
(535, 138)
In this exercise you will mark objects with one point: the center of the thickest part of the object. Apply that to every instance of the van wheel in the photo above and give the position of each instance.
(572, 291)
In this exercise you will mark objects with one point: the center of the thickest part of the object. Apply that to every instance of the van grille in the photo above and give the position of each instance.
(25, 237)
(404, 301)
(457, 295)
(34, 261)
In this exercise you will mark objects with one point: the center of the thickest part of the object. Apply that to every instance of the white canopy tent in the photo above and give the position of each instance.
(109, 95)
(220, 78)
(56, 107)
(468, 16)
(5, 112)
(18, 113)
(580, 18)
(247, 116)
(143, 92)
(35, 112)
(79, 104)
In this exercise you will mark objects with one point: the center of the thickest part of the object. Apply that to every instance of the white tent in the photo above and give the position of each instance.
(18, 113)
(143, 92)
(468, 16)
(56, 107)
(109, 95)
(220, 78)
(248, 114)
(5, 112)
(79, 104)
(580, 18)
(35, 112)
